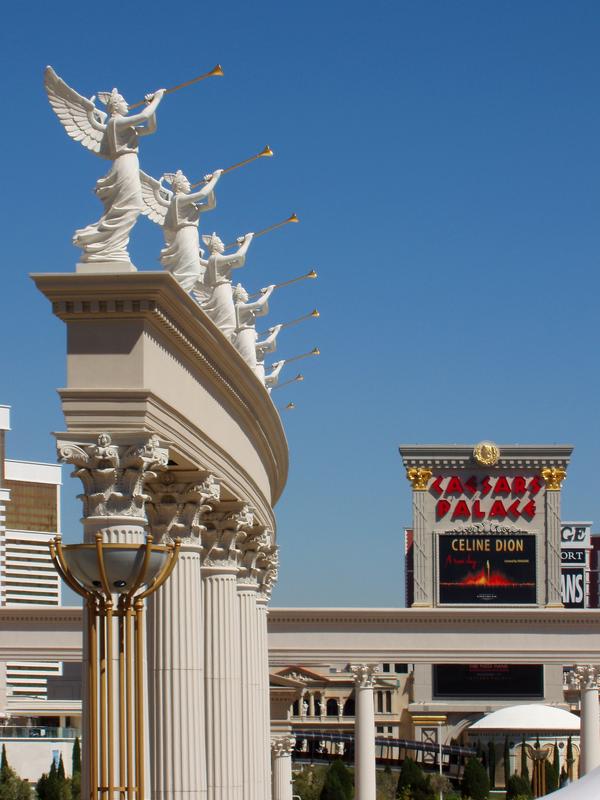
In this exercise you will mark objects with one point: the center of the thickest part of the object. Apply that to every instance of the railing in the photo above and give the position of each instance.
(37, 732)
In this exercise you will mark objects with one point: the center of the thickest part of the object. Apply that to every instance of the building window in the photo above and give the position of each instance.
(400, 669)
(388, 702)
(379, 702)
(385, 667)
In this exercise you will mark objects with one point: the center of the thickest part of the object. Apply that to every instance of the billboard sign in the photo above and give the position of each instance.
(488, 680)
(487, 569)
(572, 584)
(575, 535)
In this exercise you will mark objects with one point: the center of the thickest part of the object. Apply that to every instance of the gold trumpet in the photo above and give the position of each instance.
(291, 218)
(313, 315)
(311, 274)
(314, 352)
(266, 152)
(290, 406)
(214, 73)
(299, 377)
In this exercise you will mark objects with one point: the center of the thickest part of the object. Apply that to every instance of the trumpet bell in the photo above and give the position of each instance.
(290, 406)
(315, 314)
(311, 274)
(266, 152)
(293, 218)
(216, 71)
(315, 351)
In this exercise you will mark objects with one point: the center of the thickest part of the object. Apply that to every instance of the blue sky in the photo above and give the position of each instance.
(444, 160)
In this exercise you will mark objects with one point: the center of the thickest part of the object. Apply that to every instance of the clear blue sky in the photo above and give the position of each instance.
(444, 158)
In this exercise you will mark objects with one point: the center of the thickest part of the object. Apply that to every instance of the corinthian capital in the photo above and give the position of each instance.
(584, 676)
(226, 528)
(419, 477)
(267, 565)
(364, 675)
(177, 506)
(282, 746)
(113, 475)
(553, 478)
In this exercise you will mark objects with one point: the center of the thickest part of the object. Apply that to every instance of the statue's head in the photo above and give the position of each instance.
(240, 295)
(115, 103)
(179, 183)
(214, 243)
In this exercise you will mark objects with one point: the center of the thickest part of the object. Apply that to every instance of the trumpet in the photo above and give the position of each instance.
(264, 153)
(313, 315)
(314, 352)
(215, 72)
(291, 218)
(299, 377)
(311, 274)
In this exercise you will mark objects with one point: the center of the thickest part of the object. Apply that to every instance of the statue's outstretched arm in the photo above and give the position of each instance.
(258, 305)
(238, 258)
(146, 117)
(207, 191)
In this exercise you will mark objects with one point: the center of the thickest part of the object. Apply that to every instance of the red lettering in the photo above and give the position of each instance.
(442, 507)
(486, 486)
(436, 486)
(454, 486)
(502, 486)
(477, 513)
(461, 510)
(534, 485)
(528, 510)
(497, 510)
(519, 484)
(471, 484)
(513, 510)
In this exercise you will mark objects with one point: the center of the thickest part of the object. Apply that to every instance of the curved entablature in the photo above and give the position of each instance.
(142, 356)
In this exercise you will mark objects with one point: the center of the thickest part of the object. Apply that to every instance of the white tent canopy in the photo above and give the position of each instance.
(529, 717)
(586, 788)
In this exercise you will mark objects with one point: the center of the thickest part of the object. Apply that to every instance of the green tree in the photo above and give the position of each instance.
(491, 763)
(556, 760)
(570, 759)
(475, 782)
(308, 782)
(506, 760)
(76, 757)
(338, 783)
(551, 777)
(11, 786)
(524, 767)
(518, 787)
(386, 784)
(413, 782)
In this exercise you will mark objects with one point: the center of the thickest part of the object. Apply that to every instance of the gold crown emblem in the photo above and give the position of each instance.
(486, 453)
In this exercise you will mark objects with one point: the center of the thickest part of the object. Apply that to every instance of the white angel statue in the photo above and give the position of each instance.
(178, 212)
(113, 136)
(267, 345)
(215, 292)
(245, 321)
(272, 378)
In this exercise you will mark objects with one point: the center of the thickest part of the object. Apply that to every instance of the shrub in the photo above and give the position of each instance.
(518, 787)
(338, 783)
(413, 782)
(11, 786)
(476, 782)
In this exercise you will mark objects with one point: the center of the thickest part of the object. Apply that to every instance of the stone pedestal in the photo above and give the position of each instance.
(364, 735)
(281, 748)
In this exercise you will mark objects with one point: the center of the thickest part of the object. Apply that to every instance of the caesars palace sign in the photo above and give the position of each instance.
(494, 498)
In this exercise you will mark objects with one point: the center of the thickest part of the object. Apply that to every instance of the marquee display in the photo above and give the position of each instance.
(487, 569)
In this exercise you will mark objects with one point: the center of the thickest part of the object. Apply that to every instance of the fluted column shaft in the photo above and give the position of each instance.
(422, 550)
(586, 677)
(177, 735)
(553, 563)
(251, 685)
(264, 736)
(282, 747)
(222, 684)
(364, 736)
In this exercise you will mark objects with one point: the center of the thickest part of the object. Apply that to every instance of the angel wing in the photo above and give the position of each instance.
(78, 115)
(156, 198)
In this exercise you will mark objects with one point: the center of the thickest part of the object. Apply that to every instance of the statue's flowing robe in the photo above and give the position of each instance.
(181, 255)
(219, 303)
(121, 194)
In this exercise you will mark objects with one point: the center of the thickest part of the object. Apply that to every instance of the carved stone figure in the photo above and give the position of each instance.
(245, 321)
(268, 345)
(113, 136)
(178, 212)
(214, 293)
(273, 377)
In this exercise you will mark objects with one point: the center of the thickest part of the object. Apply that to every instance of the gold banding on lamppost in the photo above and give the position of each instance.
(216, 72)
(266, 152)
(97, 572)
(291, 218)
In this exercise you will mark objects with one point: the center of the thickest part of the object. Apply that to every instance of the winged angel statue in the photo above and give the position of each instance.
(113, 136)
(178, 211)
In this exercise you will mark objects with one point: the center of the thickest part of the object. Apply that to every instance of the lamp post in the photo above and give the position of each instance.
(100, 573)
(440, 758)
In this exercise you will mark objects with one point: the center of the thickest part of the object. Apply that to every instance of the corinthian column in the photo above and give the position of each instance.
(267, 565)
(114, 504)
(422, 546)
(222, 658)
(176, 652)
(586, 678)
(364, 734)
(281, 748)
(553, 478)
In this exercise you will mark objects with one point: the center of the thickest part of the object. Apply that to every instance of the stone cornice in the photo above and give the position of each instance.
(157, 298)
(460, 456)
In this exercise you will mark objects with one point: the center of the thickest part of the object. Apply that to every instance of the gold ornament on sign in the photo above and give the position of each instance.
(419, 477)
(487, 454)
(553, 478)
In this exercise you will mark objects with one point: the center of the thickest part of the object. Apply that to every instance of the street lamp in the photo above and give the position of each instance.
(100, 573)
(440, 758)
